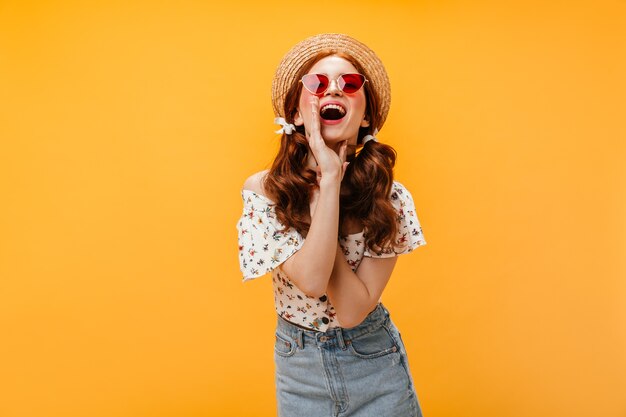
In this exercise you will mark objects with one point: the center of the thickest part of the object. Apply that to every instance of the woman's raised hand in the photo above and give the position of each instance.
(330, 164)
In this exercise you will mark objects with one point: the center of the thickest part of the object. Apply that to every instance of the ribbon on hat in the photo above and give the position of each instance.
(288, 128)
(370, 137)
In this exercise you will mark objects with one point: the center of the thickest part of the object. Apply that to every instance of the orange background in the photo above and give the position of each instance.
(128, 127)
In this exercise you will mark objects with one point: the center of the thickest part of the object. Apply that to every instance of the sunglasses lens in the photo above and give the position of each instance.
(315, 83)
(351, 83)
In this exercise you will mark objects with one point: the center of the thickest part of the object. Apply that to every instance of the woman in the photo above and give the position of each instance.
(329, 224)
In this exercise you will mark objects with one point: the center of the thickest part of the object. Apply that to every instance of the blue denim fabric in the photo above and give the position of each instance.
(362, 371)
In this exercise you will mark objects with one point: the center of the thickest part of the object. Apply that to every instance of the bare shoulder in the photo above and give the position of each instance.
(255, 182)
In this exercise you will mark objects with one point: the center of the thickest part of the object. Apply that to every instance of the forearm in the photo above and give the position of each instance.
(320, 244)
(347, 293)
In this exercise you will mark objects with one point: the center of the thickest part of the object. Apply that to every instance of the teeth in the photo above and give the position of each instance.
(334, 106)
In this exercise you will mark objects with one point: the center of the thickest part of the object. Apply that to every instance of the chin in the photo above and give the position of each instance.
(331, 136)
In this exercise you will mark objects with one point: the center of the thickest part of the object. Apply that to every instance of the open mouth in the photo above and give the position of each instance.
(332, 112)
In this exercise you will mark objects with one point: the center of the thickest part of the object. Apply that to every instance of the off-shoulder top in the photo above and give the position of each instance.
(263, 247)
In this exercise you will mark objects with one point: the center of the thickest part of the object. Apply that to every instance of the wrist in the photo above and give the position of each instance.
(330, 180)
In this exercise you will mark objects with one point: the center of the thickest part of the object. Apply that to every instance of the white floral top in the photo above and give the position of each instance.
(262, 247)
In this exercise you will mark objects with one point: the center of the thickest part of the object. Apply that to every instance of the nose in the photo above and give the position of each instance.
(333, 88)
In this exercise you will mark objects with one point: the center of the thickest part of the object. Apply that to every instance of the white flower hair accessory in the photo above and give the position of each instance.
(288, 128)
(370, 137)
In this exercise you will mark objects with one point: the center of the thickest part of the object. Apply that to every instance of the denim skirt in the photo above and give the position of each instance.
(362, 371)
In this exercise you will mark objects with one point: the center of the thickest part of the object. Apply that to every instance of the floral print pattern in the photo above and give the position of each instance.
(262, 248)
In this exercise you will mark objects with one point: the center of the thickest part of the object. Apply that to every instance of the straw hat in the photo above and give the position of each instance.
(298, 55)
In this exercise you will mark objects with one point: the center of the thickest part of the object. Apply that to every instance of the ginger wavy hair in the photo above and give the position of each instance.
(366, 185)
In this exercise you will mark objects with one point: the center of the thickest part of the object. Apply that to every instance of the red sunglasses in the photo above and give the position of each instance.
(318, 83)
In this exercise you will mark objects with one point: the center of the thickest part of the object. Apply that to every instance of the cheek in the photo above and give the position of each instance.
(304, 106)
(359, 105)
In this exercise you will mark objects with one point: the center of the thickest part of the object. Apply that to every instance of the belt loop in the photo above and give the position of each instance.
(339, 334)
(386, 312)
(300, 338)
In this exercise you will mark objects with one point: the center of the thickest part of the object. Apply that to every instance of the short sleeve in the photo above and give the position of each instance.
(262, 245)
(409, 234)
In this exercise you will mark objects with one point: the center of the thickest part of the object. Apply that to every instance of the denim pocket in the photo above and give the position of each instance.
(378, 342)
(284, 346)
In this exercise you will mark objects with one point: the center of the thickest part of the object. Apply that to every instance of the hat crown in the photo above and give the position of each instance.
(303, 51)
